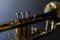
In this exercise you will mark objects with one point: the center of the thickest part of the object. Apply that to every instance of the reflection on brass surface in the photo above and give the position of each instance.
(23, 26)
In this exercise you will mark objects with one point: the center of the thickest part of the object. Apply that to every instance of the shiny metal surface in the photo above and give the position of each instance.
(23, 26)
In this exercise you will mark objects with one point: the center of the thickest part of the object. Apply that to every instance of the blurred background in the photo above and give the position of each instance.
(8, 8)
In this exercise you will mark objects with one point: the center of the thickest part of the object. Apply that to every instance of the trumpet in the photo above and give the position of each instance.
(51, 14)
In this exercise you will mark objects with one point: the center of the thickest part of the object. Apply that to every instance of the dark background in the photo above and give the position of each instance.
(8, 8)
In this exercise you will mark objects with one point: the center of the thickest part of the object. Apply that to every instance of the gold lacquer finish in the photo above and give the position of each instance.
(23, 26)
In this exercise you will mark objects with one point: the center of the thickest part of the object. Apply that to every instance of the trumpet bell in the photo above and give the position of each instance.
(51, 6)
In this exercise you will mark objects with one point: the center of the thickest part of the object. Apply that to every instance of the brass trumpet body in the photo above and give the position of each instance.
(52, 12)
